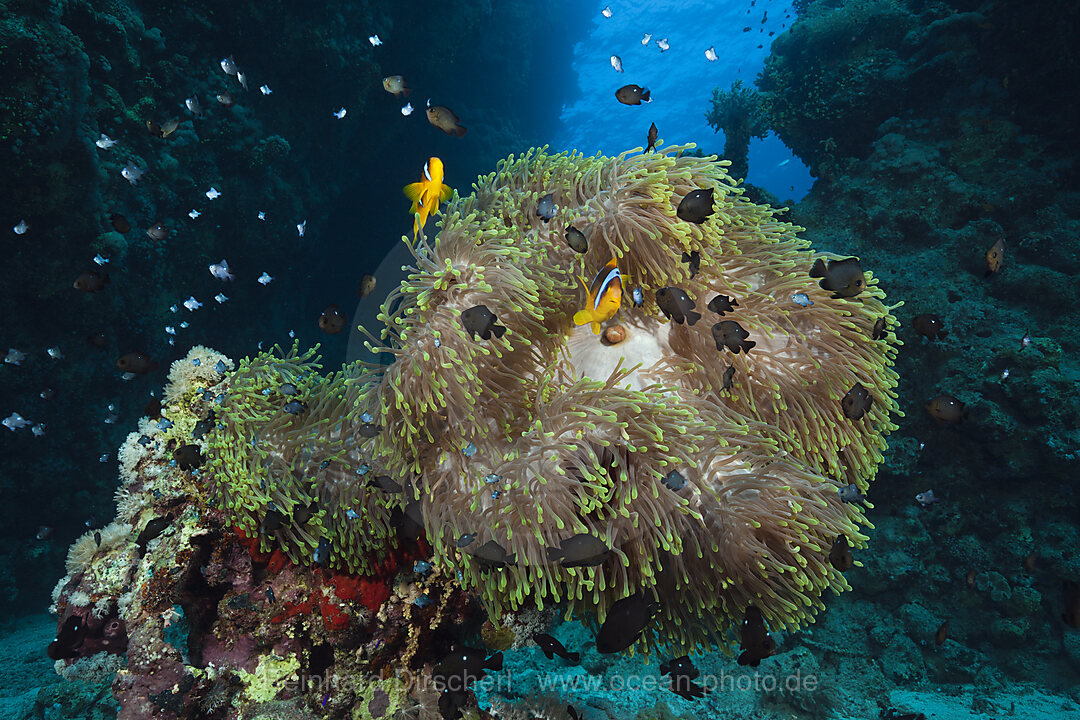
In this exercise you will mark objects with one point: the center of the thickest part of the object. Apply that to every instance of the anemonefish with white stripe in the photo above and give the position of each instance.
(603, 297)
(428, 193)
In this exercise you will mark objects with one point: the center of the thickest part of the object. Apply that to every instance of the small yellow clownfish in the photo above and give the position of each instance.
(603, 298)
(428, 193)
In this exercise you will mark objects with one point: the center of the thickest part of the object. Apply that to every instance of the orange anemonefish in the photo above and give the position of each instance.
(603, 298)
(428, 193)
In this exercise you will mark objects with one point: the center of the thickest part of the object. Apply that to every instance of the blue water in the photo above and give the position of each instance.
(680, 79)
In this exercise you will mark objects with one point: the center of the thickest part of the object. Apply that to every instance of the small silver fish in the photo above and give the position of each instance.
(374, 40)
(132, 173)
(14, 422)
(194, 214)
(606, 12)
(21, 228)
(192, 304)
(662, 44)
(265, 279)
(54, 353)
(242, 79)
(407, 110)
(301, 228)
(220, 270)
(14, 357)
(228, 66)
(213, 193)
(104, 142)
(265, 90)
(616, 63)
(647, 37)
(38, 430)
(340, 113)
(926, 498)
(638, 296)
(220, 297)
(802, 299)
(710, 54)
(100, 259)
(192, 104)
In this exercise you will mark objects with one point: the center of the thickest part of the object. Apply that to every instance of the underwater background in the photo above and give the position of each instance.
(934, 141)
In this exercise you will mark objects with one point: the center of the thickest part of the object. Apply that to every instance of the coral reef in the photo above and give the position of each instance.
(931, 144)
(268, 520)
(740, 113)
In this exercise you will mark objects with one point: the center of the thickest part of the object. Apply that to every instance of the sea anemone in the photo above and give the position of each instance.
(286, 461)
(708, 478)
(713, 491)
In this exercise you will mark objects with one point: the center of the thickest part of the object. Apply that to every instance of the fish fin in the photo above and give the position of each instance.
(459, 131)
(446, 193)
(582, 317)
(495, 662)
(595, 327)
(413, 191)
(692, 317)
(499, 331)
(405, 92)
(554, 554)
(818, 270)
(573, 657)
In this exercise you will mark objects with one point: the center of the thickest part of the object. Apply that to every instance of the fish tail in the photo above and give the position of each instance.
(499, 330)
(459, 131)
(692, 317)
(405, 92)
(595, 327)
(573, 657)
